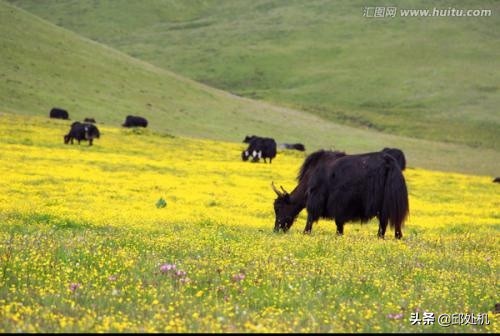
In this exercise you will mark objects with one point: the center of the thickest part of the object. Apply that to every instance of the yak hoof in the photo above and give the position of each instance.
(308, 232)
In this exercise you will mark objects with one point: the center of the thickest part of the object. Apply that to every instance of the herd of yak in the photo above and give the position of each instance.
(331, 184)
(88, 131)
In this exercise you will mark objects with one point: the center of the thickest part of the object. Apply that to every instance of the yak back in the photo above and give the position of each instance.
(312, 161)
(249, 138)
(353, 187)
(398, 155)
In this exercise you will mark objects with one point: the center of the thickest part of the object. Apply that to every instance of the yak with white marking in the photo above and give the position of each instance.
(259, 148)
(82, 131)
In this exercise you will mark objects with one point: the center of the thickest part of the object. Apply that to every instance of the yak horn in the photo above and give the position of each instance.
(276, 189)
(284, 191)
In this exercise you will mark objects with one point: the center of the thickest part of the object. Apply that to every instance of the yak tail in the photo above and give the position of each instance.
(395, 205)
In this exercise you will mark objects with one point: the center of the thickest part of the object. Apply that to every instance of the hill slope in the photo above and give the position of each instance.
(430, 78)
(44, 66)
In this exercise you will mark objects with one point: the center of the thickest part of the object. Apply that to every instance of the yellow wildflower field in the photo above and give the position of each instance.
(86, 245)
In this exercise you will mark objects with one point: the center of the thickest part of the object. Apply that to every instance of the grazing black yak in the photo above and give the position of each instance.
(58, 113)
(82, 131)
(133, 121)
(346, 188)
(90, 120)
(260, 148)
(296, 146)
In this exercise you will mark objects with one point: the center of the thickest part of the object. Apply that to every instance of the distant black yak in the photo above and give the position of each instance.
(496, 180)
(296, 146)
(90, 120)
(260, 148)
(82, 131)
(58, 113)
(134, 121)
(346, 188)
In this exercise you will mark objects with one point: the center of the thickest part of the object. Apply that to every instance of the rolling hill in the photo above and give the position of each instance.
(424, 77)
(44, 66)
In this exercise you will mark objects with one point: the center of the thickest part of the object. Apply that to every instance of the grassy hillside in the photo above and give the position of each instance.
(44, 66)
(86, 249)
(432, 78)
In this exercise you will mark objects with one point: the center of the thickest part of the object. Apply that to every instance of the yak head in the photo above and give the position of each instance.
(284, 209)
(245, 155)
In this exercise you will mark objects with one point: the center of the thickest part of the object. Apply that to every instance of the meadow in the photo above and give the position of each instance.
(86, 245)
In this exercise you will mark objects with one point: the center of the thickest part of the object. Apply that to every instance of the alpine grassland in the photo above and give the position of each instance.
(166, 229)
(150, 232)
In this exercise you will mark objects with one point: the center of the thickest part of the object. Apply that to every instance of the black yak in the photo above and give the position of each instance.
(58, 113)
(296, 146)
(82, 131)
(346, 188)
(89, 120)
(496, 180)
(260, 148)
(133, 121)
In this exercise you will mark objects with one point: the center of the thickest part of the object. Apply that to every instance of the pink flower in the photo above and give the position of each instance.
(74, 286)
(167, 267)
(395, 316)
(238, 277)
(112, 278)
(180, 273)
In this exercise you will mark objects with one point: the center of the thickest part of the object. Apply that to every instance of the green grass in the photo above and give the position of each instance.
(432, 78)
(44, 66)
